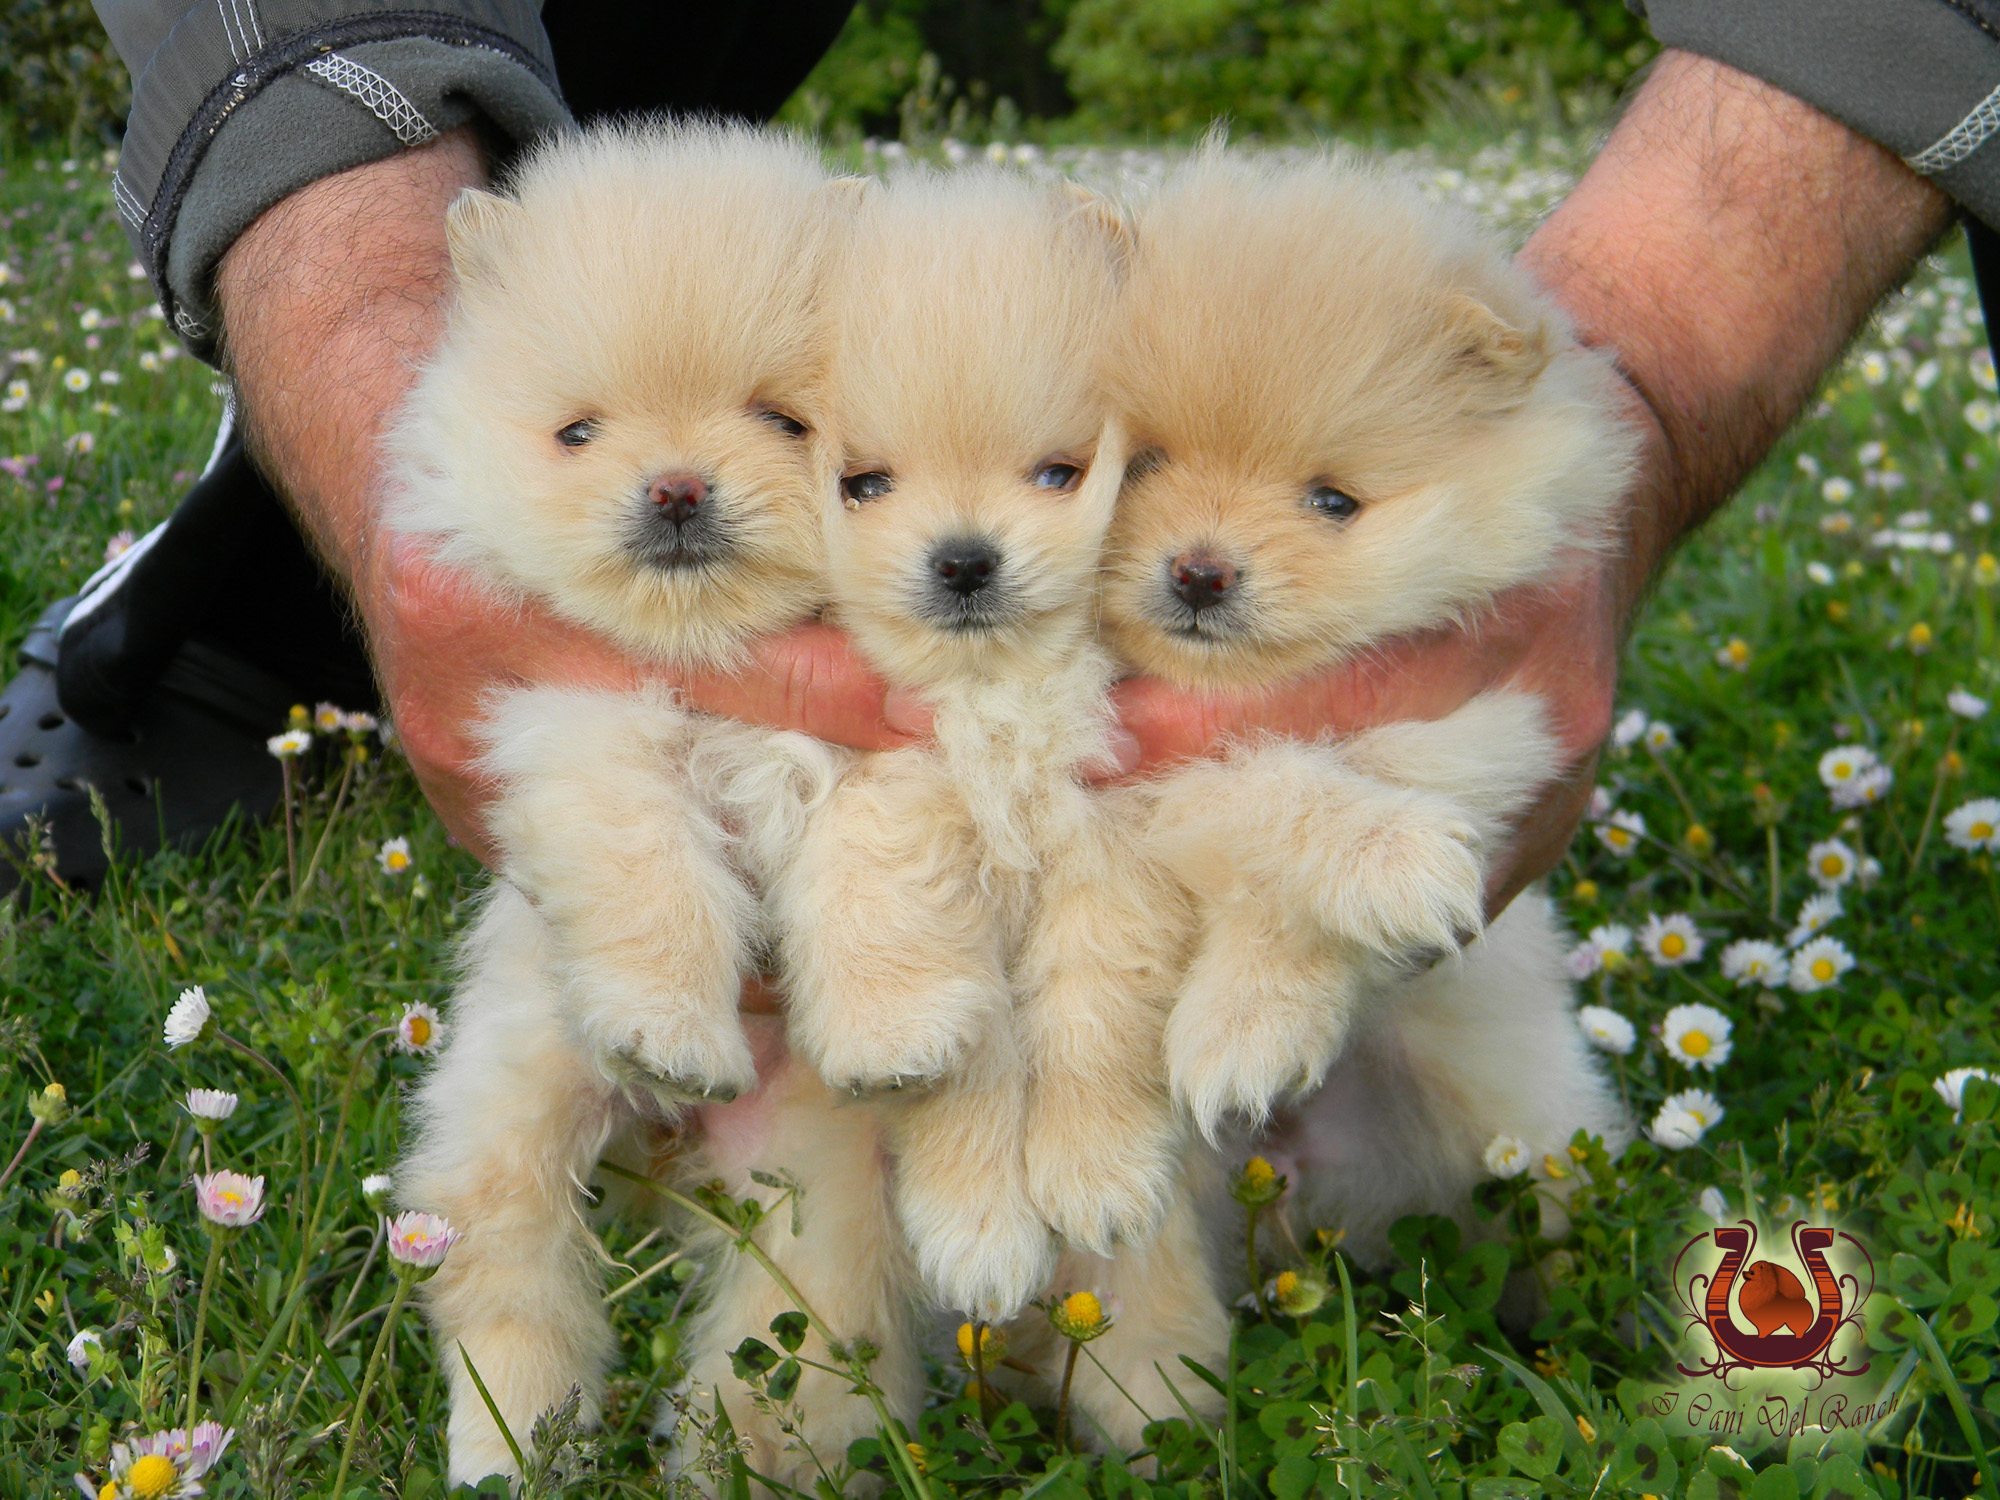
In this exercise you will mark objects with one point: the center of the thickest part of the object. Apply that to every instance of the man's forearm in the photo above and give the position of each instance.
(330, 301)
(1726, 243)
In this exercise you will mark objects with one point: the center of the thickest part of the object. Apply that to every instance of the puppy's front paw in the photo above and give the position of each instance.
(1408, 877)
(680, 1055)
(896, 1037)
(979, 1245)
(1243, 1036)
(1100, 1173)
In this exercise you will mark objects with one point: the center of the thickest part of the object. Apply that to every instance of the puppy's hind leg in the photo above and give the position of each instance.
(601, 826)
(509, 1123)
(847, 1261)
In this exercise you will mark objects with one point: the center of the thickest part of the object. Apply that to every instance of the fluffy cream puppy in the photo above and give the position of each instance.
(621, 423)
(1352, 419)
(967, 916)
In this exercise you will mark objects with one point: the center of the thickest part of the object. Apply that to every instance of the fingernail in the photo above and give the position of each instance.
(906, 713)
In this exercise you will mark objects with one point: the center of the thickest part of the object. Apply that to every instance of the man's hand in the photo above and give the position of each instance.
(1726, 243)
(330, 303)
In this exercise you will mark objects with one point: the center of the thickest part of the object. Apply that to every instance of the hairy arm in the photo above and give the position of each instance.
(331, 301)
(1726, 243)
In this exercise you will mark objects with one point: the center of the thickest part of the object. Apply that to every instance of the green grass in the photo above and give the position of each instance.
(1404, 1383)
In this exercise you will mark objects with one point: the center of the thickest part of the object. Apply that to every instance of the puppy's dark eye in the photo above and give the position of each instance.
(1057, 476)
(789, 426)
(578, 432)
(1329, 501)
(859, 489)
(1145, 461)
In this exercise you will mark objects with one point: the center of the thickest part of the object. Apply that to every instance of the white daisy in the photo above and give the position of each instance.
(1965, 705)
(1951, 1087)
(1843, 763)
(1819, 964)
(1606, 947)
(1837, 490)
(1696, 1036)
(1660, 737)
(1870, 454)
(289, 745)
(1621, 832)
(1734, 654)
(1814, 914)
(1974, 826)
(1819, 573)
(1871, 786)
(1507, 1156)
(393, 856)
(188, 1018)
(79, 1349)
(1713, 1204)
(76, 380)
(420, 1030)
(1753, 961)
(1831, 864)
(1601, 804)
(1607, 1030)
(1676, 1129)
(211, 1104)
(1671, 941)
(1628, 730)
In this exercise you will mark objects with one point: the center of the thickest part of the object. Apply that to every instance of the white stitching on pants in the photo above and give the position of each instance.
(236, 47)
(1964, 138)
(383, 99)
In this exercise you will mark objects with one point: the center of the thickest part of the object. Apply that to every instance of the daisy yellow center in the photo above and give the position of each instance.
(420, 1031)
(1612, 958)
(1842, 770)
(1738, 651)
(109, 1491)
(150, 1477)
(1287, 1283)
(1258, 1173)
(1696, 1043)
(1981, 830)
(1756, 968)
(1831, 864)
(1673, 945)
(1585, 890)
(1822, 969)
(229, 1199)
(398, 860)
(1619, 838)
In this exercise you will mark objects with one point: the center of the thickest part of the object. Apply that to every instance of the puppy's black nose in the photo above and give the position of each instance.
(963, 565)
(678, 496)
(1201, 579)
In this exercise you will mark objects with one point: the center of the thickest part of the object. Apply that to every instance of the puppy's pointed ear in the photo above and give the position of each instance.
(1100, 216)
(1501, 361)
(475, 227)
(850, 190)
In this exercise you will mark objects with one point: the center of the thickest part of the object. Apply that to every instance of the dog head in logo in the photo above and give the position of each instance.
(1772, 1298)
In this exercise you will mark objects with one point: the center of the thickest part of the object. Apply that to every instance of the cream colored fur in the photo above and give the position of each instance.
(1302, 327)
(952, 920)
(662, 287)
